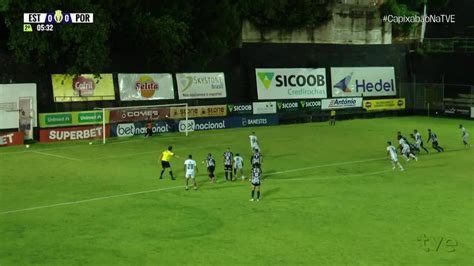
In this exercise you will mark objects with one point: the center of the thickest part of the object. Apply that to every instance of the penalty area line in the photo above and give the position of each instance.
(175, 187)
(57, 156)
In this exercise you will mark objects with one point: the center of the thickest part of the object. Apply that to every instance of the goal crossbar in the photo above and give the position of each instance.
(138, 107)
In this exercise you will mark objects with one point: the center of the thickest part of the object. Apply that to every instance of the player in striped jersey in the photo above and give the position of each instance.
(465, 136)
(211, 167)
(256, 178)
(434, 140)
(392, 151)
(419, 140)
(228, 158)
(256, 160)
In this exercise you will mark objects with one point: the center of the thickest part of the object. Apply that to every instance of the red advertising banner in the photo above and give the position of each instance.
(11, 138)
(139, 114)
(73, 133)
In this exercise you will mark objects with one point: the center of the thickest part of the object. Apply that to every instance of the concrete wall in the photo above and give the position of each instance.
(353, 22)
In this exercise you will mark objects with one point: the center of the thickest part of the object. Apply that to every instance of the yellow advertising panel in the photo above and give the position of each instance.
(82, 88)
(198, 111)
(384, 104)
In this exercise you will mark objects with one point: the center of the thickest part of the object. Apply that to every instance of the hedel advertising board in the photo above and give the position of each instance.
(363, 81)
(290, 83)
(72, 133)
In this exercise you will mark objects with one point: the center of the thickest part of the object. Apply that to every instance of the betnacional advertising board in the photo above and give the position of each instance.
(363, 81)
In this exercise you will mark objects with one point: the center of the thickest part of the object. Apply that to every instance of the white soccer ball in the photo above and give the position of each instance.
(27, 146)
(90, 143)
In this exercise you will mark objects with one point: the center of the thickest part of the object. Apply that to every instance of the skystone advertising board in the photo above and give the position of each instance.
(198, 111)
(328, 104)
(291, 83)
(71, 119)
(144, 87)
(201, 85)
(363, 81)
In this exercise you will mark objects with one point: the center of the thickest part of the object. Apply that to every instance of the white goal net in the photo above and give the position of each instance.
(143, 120)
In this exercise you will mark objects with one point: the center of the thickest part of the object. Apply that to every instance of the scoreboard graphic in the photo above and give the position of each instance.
(47, 21)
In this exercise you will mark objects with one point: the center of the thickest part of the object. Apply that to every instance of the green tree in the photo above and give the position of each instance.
(70, 48)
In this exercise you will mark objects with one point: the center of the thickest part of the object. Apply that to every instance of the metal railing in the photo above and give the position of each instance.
(447, 45)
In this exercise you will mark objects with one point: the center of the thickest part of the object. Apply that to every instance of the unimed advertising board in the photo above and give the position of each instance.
(363, 81)
(291, 83)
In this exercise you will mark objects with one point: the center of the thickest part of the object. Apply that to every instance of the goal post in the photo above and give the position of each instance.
(132, 120)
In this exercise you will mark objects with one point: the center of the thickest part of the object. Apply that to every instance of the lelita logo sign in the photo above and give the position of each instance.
(83, 86)
(146, 86)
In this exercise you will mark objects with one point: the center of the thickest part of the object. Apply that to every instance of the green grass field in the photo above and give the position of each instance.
(330, 197)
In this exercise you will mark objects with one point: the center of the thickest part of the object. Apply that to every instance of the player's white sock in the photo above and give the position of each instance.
(399, 165)
(414, 157)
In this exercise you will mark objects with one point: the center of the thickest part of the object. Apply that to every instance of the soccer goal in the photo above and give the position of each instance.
(135, 120)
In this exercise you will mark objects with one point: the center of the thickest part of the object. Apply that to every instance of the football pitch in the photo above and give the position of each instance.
(329, 197)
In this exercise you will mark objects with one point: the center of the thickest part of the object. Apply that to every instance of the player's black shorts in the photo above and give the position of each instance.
(211, 169)
(228, 167)
(165, 164)
(256, 184)
(435, 143)
(332, 117)
(256, 165)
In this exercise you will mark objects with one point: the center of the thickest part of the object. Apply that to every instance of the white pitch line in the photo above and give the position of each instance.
(89, 200)
(57, 156)
(169, 188)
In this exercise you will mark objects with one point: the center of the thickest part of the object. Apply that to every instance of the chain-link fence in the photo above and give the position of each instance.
(438, 98)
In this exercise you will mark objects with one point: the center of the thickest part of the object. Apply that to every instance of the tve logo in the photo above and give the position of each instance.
(290, 83)
(363, 81)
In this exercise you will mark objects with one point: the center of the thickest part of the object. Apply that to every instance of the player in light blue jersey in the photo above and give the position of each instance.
(465, 136)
